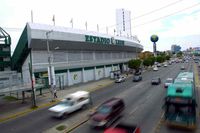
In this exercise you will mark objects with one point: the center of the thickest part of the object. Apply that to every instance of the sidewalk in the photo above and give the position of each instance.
(10, 110)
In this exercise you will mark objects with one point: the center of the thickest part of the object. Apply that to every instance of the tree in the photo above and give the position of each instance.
(168, 57)
(179, 54)
(134, 63)
(152, 59)
(160, 58)
(147, 62)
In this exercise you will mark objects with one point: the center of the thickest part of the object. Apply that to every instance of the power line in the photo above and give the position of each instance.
(145, 14)
(167, 15)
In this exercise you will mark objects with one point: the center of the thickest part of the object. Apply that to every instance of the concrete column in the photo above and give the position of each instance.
(112, 69)
(81, 55)
(69, 81)
(95, 75)
(93, 54)
(67, 57)
(104, 71)
(83, 75)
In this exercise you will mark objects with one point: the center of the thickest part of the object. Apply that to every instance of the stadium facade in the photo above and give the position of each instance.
(78, 55)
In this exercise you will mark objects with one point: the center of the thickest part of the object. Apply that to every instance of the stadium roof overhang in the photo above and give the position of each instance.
(39, 44)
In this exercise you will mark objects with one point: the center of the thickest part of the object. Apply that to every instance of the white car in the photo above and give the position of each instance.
(168, 82)
(165, 65)
(71, 103)
(155, 68)
(120, 79)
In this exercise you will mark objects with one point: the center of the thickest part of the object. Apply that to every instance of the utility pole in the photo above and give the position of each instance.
(32, 82)
(50, 67)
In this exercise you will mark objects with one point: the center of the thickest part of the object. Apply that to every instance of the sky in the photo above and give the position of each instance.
(174, 21)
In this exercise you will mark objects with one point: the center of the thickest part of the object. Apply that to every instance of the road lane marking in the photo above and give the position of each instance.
(157, 127)
(76, 125)
(134, 110)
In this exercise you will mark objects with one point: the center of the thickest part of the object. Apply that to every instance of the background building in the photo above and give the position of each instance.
(123, 22)
(5, 51)
(77, 55)
(175, 48)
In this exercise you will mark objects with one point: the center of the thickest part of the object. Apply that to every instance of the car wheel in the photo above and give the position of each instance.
(84, 106)
(64, 115)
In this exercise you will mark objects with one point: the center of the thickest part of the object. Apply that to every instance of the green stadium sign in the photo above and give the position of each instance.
(103, 40)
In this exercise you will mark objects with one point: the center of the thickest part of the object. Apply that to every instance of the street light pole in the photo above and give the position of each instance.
(49, 61)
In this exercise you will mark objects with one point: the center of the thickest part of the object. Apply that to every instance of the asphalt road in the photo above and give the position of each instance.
(143, 105)
(143, 102)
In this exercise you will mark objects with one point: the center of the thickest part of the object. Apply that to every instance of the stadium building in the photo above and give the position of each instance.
(76, 55)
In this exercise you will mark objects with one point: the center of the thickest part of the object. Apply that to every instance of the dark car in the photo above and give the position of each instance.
(107, 113)
(156, 81)
(137, 78)
(138, 72)
(182, 67)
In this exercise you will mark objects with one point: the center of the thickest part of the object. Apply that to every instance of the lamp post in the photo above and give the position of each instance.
(49, 61)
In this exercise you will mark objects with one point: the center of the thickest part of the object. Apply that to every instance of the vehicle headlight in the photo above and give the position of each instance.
(103, 122)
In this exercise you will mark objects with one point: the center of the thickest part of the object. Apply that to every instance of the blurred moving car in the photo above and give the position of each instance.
(168, 82)
(182, 67)
(137, 78)
(165, 64)
(120, 79)
(107, 113)
(155, 68)
(71, 103)
(123, 128)
(156, 81)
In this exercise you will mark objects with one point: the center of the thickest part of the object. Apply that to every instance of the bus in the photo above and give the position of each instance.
(180, 102)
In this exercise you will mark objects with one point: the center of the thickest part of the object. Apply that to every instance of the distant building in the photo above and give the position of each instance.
(123, 22)
(5, 53)
(175, 48)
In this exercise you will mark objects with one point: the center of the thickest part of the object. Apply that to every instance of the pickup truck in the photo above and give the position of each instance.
(123, 128)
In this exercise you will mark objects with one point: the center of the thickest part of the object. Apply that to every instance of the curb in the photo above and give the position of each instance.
(76, 125)
(19, 114)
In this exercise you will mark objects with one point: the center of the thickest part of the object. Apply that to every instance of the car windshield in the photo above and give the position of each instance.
(66, 103)
(155, 79)
(136, 77)
(104, 109)
(169, 81)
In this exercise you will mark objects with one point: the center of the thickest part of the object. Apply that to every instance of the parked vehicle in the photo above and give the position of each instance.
(156, 81)
(137, 78)
(168, 82)
(123, 128)
(107, 113)
(165, 64)
(71, 103)
(120, 79)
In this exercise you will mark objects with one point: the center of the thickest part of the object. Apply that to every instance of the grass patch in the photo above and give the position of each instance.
(10, 98)
(60, 128)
